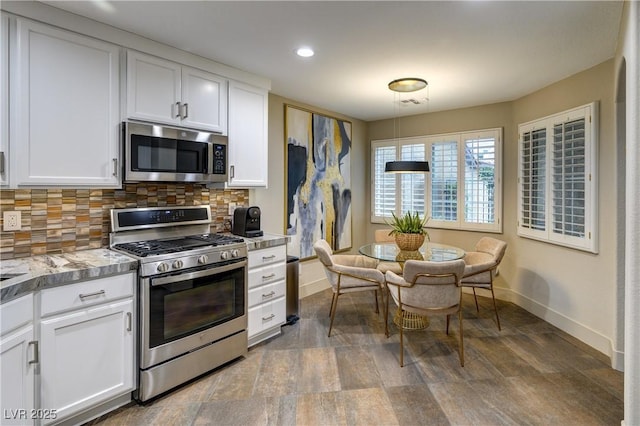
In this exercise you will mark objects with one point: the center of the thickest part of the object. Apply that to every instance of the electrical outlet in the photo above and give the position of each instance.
(232, 207)
(12, 221)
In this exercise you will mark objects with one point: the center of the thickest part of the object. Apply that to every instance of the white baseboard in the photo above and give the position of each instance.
(313, 287)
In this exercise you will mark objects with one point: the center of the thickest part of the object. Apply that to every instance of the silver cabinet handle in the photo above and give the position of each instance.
(129, 321)
(36, 353)
(269, 318)
(97, 293)
(265, 258)
(231, 171)
(266, 296)
(1, 162)
(178, 107)
(266, 277)
(186, 111)
(115, 167)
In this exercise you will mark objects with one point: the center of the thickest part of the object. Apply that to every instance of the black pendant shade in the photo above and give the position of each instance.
(406, 167)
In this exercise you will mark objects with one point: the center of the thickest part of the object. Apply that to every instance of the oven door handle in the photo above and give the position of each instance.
(197, 274)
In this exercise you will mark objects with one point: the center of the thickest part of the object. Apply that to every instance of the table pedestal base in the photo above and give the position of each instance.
(410, 321)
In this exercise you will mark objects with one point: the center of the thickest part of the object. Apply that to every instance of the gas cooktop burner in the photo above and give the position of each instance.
(175, 245)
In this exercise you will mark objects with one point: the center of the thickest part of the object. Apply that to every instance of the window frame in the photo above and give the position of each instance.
(429, 141)
(589, 241)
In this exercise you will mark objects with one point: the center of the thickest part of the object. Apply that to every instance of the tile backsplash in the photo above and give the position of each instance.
(65, 220)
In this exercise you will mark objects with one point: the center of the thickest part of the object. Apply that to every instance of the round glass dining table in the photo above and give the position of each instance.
(434, 252)
(390, 252)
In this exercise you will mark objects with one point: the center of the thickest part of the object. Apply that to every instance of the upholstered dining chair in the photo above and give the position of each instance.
(348, 273)
(382, 236)
(482, 267)
(425, 289)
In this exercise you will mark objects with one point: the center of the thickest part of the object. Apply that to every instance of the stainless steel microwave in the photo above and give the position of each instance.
(156, 153)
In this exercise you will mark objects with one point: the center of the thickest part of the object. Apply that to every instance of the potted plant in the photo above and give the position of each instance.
(409, 230)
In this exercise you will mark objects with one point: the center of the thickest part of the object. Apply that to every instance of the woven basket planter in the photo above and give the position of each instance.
(409, 242)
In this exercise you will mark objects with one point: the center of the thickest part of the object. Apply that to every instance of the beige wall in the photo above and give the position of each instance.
(272, 200)
(572, 289)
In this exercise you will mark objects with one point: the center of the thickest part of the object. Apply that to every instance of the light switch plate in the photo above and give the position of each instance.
(12, 221)
(232, 207)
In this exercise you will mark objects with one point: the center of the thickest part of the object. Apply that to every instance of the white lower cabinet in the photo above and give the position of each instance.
(18, 359)
(87, 351)
(267, 292)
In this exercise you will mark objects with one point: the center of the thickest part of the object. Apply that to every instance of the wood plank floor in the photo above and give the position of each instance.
(530, 373)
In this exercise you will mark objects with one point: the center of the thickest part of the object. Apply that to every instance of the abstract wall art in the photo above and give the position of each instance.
(318, 181)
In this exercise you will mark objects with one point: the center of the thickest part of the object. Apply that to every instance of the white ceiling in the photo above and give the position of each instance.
(470, 52)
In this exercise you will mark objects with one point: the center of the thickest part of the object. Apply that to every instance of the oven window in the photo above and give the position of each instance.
(198, 307)
(188, 306)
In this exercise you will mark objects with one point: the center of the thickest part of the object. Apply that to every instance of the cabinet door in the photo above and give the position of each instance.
(204, 98)
(153, 89)
(65, 108)
(17, 388)
(4, 100)
(248, 138)
(87, 357)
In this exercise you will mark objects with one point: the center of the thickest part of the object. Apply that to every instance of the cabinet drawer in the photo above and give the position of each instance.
(258, 258)
(267, 274)
(16, 313)
(267, 293)
(266, 316)
(87, 293)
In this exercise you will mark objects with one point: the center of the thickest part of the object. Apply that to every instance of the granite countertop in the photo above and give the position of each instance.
(34, 273)
(266, 241)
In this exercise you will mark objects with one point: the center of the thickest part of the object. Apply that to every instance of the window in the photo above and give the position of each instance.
(557, 186)
(463, 189)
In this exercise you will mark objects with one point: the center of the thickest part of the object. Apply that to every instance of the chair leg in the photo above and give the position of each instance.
(448, 324)
(333, 300)
(461, 353)
(495, 308)
(476, 299)
(375, 295)
(386, 312)
(401, 346)
(334, 306)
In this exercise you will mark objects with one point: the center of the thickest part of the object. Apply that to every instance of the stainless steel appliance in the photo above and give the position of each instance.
(169, 154)
(192, 293)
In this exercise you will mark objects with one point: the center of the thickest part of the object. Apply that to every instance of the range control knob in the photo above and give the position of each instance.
(163, 267)
(224, 255)
(202, 260)
(178, 264)
(235, 253)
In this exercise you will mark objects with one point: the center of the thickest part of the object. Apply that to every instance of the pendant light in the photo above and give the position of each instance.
(404, 85)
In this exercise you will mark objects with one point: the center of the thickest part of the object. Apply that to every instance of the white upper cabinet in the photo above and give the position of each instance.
(248, 135)
(4, 100)
(64, 117)
(163, 91)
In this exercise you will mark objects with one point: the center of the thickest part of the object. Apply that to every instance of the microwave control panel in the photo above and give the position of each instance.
(219, 159)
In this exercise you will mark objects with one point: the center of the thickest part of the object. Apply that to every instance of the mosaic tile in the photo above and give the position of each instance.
(56, 220)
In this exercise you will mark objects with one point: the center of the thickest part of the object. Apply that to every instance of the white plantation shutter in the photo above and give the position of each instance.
(557, 179)
(533, 179)
(444, 181)
(480, 179)
(384, 184)
(412, 184)
(568, 178)
(463, 189)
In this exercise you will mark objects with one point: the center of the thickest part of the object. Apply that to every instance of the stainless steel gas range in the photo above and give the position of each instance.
(192, 293)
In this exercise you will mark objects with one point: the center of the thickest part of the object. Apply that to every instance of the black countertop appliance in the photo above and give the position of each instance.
(246, 222)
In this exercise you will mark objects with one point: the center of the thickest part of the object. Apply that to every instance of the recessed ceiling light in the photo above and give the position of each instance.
(305, 52)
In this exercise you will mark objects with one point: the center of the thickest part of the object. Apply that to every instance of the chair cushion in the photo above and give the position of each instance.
(384, 267)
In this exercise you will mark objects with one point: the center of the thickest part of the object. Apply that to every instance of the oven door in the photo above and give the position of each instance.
(192, 309)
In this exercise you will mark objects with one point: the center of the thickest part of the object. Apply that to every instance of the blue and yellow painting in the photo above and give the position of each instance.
(318, 181)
